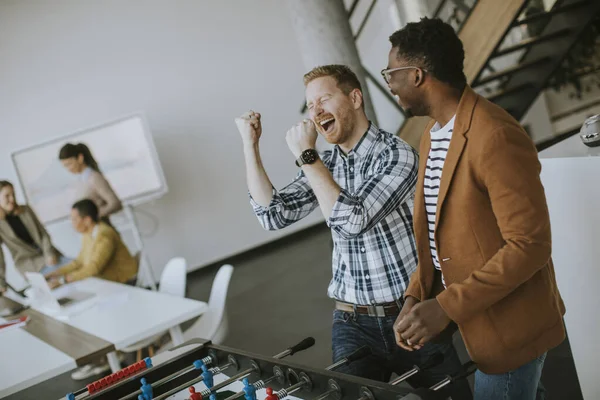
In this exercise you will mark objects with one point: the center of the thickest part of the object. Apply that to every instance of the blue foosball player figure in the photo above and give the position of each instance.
(146, 390)
(249, 390)
(207, 377)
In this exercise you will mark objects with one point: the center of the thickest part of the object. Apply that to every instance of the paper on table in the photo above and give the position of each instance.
(13, 323)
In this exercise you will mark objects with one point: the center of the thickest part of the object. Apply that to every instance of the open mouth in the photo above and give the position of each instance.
(327, 125)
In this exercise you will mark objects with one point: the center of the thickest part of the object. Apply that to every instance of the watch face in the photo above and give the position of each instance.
(309, 156)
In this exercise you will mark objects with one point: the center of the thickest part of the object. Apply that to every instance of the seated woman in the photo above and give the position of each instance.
(103, 254)
(78, 159)
(25, 237)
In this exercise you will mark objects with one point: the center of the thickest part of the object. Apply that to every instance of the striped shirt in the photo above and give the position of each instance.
(440, 141)
(371, 223)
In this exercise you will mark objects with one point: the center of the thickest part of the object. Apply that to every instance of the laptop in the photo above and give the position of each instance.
(41, 296)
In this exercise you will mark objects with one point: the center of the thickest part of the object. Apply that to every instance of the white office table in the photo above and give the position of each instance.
(27, 360)
(123, 315)
(116, 317)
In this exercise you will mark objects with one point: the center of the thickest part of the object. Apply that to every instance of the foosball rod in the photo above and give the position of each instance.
(124, 373)
(303, 345)
(468, 369)
(433, 361)
(362, 352)
(197, 365)
(283, 393)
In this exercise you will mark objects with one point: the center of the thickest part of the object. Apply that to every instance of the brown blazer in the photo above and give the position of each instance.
(492, 234)
(26, 257)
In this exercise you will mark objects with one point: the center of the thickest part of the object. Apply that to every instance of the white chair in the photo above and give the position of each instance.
(172, 281)
(212, 325)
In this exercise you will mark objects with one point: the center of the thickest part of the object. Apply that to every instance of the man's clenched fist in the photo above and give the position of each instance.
(249, 126)
(301, 136)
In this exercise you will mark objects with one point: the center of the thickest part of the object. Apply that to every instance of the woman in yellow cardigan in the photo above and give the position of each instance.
(103, 254)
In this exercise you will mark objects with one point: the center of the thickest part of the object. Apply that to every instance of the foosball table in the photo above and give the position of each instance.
(200, 370)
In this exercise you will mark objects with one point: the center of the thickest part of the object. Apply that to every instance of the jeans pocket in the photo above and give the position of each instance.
(341, 316)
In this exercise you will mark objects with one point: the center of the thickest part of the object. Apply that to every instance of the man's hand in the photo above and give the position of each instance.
(422, 323)
(409, 303)
(250, 127)
(302, 136)
(51, 260)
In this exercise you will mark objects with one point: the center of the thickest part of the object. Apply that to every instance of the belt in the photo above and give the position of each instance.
(377, 310)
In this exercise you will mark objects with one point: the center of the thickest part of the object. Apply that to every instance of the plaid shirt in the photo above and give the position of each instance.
(374, 250)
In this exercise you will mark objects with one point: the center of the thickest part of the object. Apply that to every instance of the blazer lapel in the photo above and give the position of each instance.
(31, 227)
(420, 217)
(6, 229)
(462, 123)
(457, 145)
(426, 273)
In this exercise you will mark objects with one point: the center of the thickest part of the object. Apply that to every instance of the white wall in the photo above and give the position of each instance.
(191, 66)
(568, 168)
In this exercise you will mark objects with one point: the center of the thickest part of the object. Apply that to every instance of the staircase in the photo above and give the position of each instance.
(511, 54)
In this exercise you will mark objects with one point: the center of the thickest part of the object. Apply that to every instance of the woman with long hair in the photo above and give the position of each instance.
(25, 237)
(78, 159)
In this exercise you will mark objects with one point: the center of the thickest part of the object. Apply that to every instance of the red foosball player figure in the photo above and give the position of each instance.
(270, 395)
(193, 394)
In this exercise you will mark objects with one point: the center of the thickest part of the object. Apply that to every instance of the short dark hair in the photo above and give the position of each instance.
(87, 208)
(345, 78)
(433, 45)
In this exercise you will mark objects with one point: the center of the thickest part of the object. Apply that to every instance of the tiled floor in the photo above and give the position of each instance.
(278, 297)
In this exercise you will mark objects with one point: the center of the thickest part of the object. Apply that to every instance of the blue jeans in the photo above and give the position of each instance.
(522, 383)
(61, 262)
(351, 331)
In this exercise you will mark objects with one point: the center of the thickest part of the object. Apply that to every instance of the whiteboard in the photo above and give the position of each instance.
(125, 153)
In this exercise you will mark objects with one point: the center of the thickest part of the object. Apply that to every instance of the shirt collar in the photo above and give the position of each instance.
(364, 144)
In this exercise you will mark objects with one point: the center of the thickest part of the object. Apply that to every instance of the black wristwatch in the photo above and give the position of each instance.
(308, 156)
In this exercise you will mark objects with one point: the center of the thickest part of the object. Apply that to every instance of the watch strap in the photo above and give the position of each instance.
(300, 161)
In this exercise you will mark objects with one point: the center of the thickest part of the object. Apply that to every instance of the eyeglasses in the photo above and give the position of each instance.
(387, 73)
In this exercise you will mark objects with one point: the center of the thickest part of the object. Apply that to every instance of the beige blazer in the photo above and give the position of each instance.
(25, 256)
(95, 187)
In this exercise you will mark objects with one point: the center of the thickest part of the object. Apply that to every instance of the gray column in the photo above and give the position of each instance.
(325, 37)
